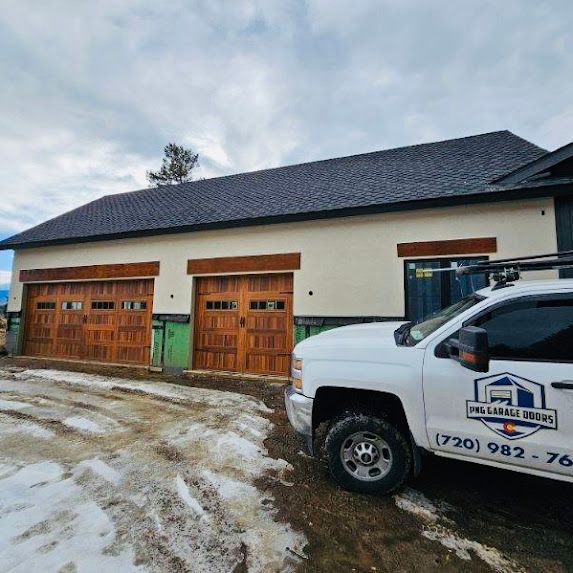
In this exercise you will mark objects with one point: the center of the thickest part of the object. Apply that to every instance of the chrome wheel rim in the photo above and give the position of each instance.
(366, 456)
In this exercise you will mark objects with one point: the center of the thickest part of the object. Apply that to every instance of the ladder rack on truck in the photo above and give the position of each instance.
(509, 270)
(504, 271)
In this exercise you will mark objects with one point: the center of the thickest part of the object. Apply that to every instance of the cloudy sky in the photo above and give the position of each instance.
(92, 91)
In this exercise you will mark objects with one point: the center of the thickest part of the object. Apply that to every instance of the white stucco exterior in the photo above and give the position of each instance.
(350, 264)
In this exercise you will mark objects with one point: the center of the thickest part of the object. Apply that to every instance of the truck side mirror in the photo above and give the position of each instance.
(473, 347)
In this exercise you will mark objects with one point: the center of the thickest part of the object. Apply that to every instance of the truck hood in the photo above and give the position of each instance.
(382, 332)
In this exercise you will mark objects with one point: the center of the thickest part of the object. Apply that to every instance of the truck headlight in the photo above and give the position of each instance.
(296, 373)
(297, 383)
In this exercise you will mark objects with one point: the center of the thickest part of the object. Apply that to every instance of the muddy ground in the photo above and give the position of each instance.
(526, 521)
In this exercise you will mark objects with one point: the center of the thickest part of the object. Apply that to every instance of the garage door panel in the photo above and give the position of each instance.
(70, 332)
(99, 353)
(132, 354)
(218, 285)
(68, 349)
(270, 284)
(218, 341)
(210, 360)
(267, 363)
(132, 329)
(108, 321)
(267, 342)
(219, 322)
(267, 323)
(246, 329)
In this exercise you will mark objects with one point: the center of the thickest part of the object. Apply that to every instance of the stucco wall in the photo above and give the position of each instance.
(349, 264)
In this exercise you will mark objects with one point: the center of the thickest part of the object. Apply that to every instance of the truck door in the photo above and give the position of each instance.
(520, 413)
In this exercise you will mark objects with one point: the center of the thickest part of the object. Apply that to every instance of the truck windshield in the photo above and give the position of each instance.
(417, 332)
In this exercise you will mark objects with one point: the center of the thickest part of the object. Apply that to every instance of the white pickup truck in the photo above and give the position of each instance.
(487, 380)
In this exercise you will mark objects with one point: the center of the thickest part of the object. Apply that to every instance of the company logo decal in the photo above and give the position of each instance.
(511, 406)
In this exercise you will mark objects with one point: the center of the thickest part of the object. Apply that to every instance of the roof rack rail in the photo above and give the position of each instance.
(504, 271)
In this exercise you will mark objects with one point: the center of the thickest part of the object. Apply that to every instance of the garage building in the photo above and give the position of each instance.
(227, 273)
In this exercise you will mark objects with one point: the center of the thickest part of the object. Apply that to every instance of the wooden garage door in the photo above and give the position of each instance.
(244, 323)
(106, 321)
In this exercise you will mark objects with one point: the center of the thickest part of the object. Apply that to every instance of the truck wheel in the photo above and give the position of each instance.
(367, 454)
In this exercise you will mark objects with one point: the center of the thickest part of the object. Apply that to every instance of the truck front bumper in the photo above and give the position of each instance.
(299, 412)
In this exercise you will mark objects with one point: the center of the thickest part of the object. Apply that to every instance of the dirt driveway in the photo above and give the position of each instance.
(179, 478)
(101, 474)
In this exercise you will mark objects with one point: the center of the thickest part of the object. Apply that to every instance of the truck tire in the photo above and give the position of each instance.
(367, 454)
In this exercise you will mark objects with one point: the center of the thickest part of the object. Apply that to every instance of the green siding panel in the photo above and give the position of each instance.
(170, 344)
(176, 353)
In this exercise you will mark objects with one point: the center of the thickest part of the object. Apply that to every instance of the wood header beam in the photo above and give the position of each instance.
(450, 247)
(248, 264)
(91, 272)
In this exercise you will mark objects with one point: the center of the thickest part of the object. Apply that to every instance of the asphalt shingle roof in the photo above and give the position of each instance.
(381, 180)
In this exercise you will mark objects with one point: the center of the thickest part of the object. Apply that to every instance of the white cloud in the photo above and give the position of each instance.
(5, 278)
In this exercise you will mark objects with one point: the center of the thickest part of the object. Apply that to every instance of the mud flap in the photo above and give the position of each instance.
(416, 457)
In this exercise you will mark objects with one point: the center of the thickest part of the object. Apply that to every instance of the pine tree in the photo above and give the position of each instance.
(177, 166)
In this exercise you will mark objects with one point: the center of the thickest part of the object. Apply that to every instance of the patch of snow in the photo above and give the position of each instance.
(165, 390)
(419, 505)
(83, 425)
(13, 405)
(100, 468)
(226, 448)
(229, 488)
(187, 498)
(245, 428)
(12, 427)
(51, 526)
(270, 544)
(7, 469)
(415, 502)
(238, 445)
(463, 547)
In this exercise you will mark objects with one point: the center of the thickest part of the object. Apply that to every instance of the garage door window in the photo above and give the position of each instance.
(267, 305)
(46, 306)
(133, 305)
(221, 305)
(72, 305)
(103, 305)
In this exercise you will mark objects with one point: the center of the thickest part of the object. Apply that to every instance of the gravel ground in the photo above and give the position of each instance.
(454, 517)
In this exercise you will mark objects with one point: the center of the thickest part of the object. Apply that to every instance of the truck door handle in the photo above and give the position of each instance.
(563, 385)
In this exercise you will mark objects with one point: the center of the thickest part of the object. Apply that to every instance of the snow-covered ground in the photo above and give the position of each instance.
(103, 474)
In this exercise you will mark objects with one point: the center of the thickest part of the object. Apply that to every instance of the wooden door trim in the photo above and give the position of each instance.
(246, 264)
(91, 272)
(475, 246)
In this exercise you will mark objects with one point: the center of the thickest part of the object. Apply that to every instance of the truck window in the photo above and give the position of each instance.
(536, 329)
(421, 330)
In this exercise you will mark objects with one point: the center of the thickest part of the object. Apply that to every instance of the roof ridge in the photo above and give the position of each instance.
(267, 169)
